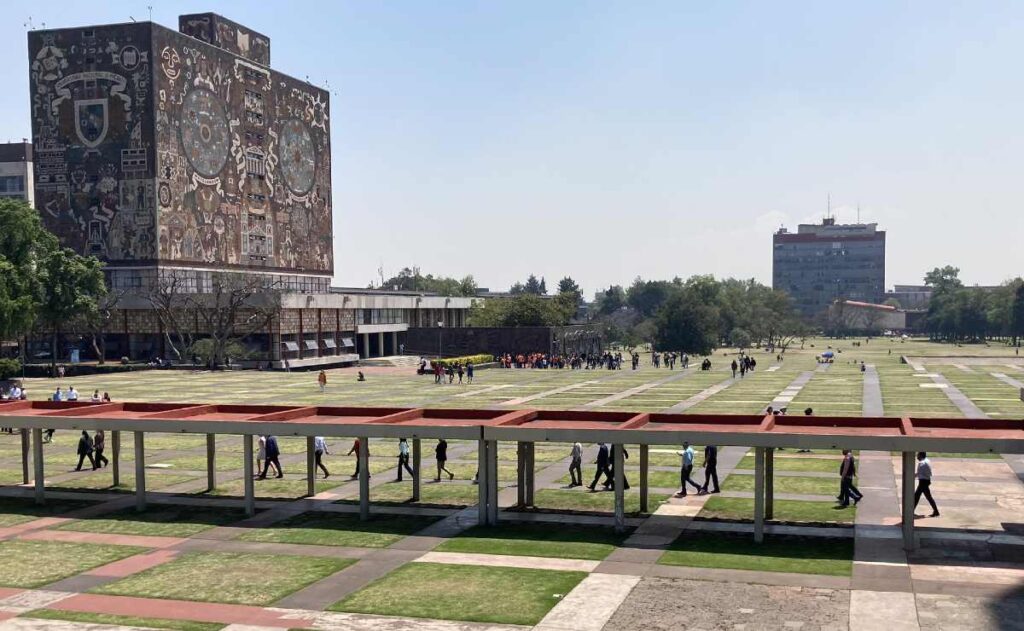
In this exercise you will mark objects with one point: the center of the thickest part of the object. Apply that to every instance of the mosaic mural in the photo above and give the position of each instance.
(154, 145)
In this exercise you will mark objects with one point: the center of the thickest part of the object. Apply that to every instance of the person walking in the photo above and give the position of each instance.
(575, 466)
(924, 482)
(847, 490)
(355, 450)
(469, 372)
(322, 380)
(319, 450)
(734, 366)
(99, 443)
(710, 469)
(85, 450)
(403, 459)
(460, 371)
(610, 483)
(686, 470)
(441, 455)
(261, 453)
(273, 458)
(602, 466)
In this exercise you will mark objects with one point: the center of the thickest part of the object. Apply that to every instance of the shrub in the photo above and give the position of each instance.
(9, 368)
(476, 359)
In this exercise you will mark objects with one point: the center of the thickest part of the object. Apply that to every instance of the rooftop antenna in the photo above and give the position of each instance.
(150, 7)
(131, 18)
(29, 24)
(828, 212)
(858, 212)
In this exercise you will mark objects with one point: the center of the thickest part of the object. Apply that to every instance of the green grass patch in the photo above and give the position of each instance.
(273, 488)
(158, 520)
(18, 510)
(244, 579)
(819, 465)
(340, 529)
(801, 555)
(464, 592)
(560, 541)
(794, 511)
(785, 484)
(32, 564)
(123, 621)
(601, 501)
(438, 494)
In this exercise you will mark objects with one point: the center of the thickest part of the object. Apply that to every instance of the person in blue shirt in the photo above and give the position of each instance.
(686, 470)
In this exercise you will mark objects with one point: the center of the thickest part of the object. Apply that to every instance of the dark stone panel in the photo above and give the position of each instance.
(243, 164)
(231, 36)
(499, 340)
(92, 130)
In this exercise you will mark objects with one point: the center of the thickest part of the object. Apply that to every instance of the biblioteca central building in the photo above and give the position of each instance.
(183, 153)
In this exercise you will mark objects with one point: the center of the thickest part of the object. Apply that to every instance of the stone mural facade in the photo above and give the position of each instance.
(157, 148)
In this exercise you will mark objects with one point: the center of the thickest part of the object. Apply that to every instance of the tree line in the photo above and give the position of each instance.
(957, 313)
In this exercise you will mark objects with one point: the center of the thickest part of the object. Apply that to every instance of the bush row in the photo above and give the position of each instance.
(476, 359)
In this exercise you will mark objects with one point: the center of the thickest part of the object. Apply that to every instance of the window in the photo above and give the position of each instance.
(253, 107)
(12, 184)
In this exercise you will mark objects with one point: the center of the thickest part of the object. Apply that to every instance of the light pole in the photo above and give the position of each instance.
(440, 331)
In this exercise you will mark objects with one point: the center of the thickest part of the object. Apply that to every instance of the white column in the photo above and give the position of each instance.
(380, 344)
(643, 477)
(247, 474)
(618, 463)
(26, 454)
(140, 471)
(37, 457)
(759, 494)
(364, 477)
(481, 481)
(908, 500)
(366, 345)
(492, 481)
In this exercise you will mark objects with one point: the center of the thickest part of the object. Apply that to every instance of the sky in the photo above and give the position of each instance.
(610, 140)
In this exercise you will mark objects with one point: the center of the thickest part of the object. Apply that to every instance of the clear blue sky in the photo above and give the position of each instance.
(607, 140)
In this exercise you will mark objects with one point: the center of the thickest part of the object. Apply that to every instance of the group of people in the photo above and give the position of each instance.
(848, 490)
(449, 371)
(72, 395)
(91, 448)
(745, 364)
(668, 359)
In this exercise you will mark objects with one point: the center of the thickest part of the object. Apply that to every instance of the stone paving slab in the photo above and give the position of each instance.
(363, 622)
(333, 588)
(701, 396)
(581, 611)
(180, 610)
(891, 611)
(507, 560)
(73, 536)
(134, 564)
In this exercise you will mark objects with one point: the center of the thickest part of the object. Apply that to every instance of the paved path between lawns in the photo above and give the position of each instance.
(638, 389)
(701, 396)
(1008, 380)
(878, 563)
(958, 398)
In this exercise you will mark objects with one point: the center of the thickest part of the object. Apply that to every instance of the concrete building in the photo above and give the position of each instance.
(822, 263)
(181, 155)
(852, 316)
(911, 296)
(16, 173)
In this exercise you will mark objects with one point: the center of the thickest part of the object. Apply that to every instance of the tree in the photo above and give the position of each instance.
(1017, 318)
(522, 310)
(72, 286)
(648, 296)
(610, 300)
(24, 245)
(411, 279)
(686, 323)
(568, 286)
(534, 286)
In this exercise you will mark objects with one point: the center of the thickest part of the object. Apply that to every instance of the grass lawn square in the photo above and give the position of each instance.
(601, 501)
(561, 541)
(436, 493)
(18, 510)
(786, 463)
(32, 564)
(243, 579)
(103, 482)
(273, 488)
(792, 511)
(340, 529)
(122, 621)
(158, 520)
(802, 555)
(786, 484)
(464, 592)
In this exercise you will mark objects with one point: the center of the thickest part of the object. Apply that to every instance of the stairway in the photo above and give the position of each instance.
(411, 361)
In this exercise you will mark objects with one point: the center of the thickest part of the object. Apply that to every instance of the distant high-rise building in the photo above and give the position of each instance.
(16, 171)
(822, 263)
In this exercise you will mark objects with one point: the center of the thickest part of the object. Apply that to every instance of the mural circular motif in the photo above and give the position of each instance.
(205, 137)
(297, 156)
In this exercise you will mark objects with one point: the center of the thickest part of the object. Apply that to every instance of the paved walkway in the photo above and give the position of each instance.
(637, 390)
(701, 396)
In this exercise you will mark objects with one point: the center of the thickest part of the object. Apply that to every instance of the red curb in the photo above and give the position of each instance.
(35, 524)
(134, 564)
(71, 536)
(180, 610)
(7, 592)
(7, 615)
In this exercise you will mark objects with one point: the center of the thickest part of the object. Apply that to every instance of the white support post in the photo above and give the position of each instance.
(247, 474)
(644, 457)
(37, 457)
(618, 463)
(115, 457)
(380, 344)
(481, 482)
(140, 471)
(759, 457)
(364, 477)
(769, 483)
(310, 466)
(417, 468)
(26, 454)
(492, 482)
(211, 462)
(531, 471)
(908, 500)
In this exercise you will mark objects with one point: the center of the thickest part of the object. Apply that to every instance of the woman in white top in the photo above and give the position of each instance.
(261, 453)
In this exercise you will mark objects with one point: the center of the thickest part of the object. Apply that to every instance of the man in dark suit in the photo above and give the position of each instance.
(603, 467)
(847, 471)
(610, 481)
(710, 469)
(273, 455)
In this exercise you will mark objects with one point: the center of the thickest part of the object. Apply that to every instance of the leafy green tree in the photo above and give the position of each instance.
(610, 300)
(1017, 318)
(24, 244)
(687, 323)
(411, 279)
(534, 286)
(71, 288)
(648, 296)
(521, 310)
